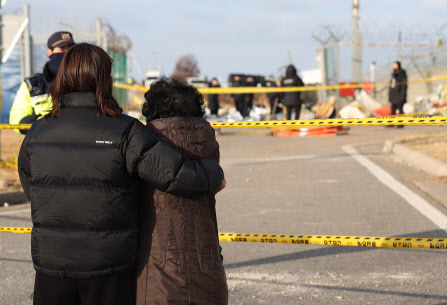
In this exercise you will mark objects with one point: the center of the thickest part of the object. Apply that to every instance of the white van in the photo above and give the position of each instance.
(151, 76)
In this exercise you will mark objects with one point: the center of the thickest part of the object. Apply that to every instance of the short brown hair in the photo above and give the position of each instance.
(85, 68)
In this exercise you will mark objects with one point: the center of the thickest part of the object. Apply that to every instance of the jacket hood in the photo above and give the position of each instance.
(290, 71)
(193, 136)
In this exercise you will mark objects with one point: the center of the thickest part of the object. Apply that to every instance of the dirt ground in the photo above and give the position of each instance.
(10, 147)
(434, 144)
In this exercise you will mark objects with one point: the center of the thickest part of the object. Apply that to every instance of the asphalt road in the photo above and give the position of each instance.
(300, 186)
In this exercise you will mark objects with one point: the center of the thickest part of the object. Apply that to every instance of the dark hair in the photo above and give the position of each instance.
(85, 68)
(398, 64)
(168, 98)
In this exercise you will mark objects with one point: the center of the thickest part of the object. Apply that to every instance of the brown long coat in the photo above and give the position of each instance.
(179, 255)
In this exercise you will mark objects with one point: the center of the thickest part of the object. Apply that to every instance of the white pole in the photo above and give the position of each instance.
(27, 44)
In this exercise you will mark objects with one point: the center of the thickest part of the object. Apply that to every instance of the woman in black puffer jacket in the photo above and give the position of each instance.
(79, 166)
(292, 100)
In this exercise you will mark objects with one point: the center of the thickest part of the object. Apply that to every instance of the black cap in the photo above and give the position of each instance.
(59, 40)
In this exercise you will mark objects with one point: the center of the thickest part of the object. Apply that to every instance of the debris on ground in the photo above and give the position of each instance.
(324, 110)
(384, 110)
(365, 100)
(353, 111)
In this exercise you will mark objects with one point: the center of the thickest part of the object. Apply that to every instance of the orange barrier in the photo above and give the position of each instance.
(323, 131)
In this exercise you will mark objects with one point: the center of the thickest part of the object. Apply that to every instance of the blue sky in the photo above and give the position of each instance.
(251, 36)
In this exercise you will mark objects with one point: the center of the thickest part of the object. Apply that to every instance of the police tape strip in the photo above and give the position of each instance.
(352, 241)
(441, 120)
(15, 126)
(233, 90)
(323, 240)
(22, 230)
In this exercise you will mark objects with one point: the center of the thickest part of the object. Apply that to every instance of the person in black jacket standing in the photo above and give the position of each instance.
(250, 96)
(80, 166)
(398, 90)
(292, 100)
(240, 99)
(213, 99)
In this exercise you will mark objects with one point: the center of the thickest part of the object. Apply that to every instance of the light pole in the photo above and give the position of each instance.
(356, 44)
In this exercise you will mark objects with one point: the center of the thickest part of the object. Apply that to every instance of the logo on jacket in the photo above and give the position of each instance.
(103, 142)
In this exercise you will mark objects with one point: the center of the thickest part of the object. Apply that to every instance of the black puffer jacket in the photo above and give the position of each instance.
(291, 80)
(80, 172)
(398, 88)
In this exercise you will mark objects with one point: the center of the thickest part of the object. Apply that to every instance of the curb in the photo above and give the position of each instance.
(418, 159)
(13, 197)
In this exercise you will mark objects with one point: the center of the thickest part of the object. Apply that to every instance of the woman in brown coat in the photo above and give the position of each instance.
(180, 261)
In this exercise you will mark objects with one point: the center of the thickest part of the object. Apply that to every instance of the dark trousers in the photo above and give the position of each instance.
(213, 104)
(297, 111)
(116, 289)
(399, 106)
(242, 106)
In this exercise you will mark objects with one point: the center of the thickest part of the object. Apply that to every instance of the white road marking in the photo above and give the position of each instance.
(15, 212)
(416, 201)
(241, 161)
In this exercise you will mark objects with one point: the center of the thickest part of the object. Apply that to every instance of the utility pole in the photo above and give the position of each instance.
(22, 60)
(356, 44)
(27, 44)
(101, 36)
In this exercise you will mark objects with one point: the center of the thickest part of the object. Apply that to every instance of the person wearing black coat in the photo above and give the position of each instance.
(292, 100)
(240, 99)
(80, 167)
(250, 96)
(398, 89)
(213, 99)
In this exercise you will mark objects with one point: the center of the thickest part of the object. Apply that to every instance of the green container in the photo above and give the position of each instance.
(119, 74)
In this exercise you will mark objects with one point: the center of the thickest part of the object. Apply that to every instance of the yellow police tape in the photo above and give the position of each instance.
(233, 90)
(23, 230)
(15, 126)
(440, 120)
(323, 240)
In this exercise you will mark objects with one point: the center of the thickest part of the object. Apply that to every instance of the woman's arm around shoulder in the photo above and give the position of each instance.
(162, 166)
